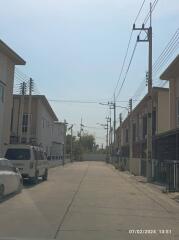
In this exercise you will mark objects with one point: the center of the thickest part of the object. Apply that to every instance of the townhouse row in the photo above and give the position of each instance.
(45, 130)
(131, 135)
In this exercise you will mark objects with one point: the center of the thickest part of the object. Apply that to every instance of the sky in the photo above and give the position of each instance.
(74, 50)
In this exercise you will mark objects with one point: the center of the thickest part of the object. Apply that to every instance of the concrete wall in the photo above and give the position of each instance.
(163, 115)
(172, 100)
(135, 166)
(45, 127)
(44, 131)
(7, 77)
(93, 157)
(174, 95)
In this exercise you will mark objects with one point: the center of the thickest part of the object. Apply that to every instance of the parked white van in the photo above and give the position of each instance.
(30, 160)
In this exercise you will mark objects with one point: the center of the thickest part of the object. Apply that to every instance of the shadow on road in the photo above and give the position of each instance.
(8, 197)
(27, 184)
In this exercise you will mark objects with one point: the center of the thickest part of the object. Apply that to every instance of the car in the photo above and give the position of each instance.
(30, 160)
(10, 178)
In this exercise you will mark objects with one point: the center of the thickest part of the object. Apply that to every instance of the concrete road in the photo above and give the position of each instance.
(86, 201)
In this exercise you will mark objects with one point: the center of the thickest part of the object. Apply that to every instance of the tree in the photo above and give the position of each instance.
(87, 142)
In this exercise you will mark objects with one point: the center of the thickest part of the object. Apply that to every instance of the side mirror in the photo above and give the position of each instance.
(15, 169)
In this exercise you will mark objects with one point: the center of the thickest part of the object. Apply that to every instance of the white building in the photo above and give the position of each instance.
(45, 130)
(8, 60)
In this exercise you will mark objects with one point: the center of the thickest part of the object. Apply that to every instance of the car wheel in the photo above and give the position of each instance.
(45, 176)
(35, 179)
(2, 190)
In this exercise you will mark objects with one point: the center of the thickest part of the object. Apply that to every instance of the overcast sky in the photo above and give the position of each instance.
(74, 49)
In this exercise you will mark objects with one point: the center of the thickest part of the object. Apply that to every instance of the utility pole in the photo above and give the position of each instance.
(148, 39)
(114, 107)
(31, 84)
(120, 140)
(23, 88)
(108, 119)
(110, 135)
(81, 129)
(131, 135)
(64, 148)
(107, 147)
(71, 144)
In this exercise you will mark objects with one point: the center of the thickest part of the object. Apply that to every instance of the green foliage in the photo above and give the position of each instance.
(85, 143)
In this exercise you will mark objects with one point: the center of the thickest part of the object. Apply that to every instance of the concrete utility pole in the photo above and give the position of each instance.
(108, 119)
(114, 107)
(120, 121)
(81, 129)
(64, 148)
(148, 39)
(110, 137)
(23, 88)
(31, 84)
(131, 135)
(71, 144)
(107, 137)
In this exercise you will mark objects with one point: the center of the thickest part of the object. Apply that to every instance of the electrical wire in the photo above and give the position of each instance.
(127, 50)
(125, 76)
(145, 21)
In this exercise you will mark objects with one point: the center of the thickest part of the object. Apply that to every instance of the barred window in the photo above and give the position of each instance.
(25, 122)
(177, 112)
(1, 93)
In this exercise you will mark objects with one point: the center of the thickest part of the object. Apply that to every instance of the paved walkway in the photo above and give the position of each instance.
(89, 201)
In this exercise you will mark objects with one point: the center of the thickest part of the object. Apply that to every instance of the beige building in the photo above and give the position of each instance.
(137, 129)
(45, 130)
(172, 74)
(8, 60)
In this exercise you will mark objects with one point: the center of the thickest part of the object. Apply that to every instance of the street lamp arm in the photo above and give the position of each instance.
(123, 107)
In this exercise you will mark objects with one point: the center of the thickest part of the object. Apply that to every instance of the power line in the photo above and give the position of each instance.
(128, 45)
(81, 101)
(148, 15)
(161, 60)
(127, 70)
(145, 21)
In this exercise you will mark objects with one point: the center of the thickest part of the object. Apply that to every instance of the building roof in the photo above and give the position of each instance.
(11, 54)
(44, 101)
(172, 70)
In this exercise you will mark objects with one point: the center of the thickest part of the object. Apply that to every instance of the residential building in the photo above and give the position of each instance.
(172, 75)
(8, 60)
(45, 130)
(136, 122)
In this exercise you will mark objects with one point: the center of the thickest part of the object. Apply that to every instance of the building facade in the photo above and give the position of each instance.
(133, 130)
(8, 60)
(44, 128)
(172, 75)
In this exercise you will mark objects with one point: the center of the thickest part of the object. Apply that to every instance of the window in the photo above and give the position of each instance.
(43, 123)
(25, 122)
(127, 136)
(1, 93)
(17, 154)
(154, 122)
(177, 112)
(134, 132)
(144, 127)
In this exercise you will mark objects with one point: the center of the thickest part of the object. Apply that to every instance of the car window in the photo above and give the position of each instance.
(18, 154)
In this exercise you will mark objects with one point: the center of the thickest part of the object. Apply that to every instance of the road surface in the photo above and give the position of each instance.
(86, 201)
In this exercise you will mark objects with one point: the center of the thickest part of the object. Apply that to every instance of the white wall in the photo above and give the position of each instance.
(45, 127)
(7, 77)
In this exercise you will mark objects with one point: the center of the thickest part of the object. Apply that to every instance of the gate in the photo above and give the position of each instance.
(172, 175)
